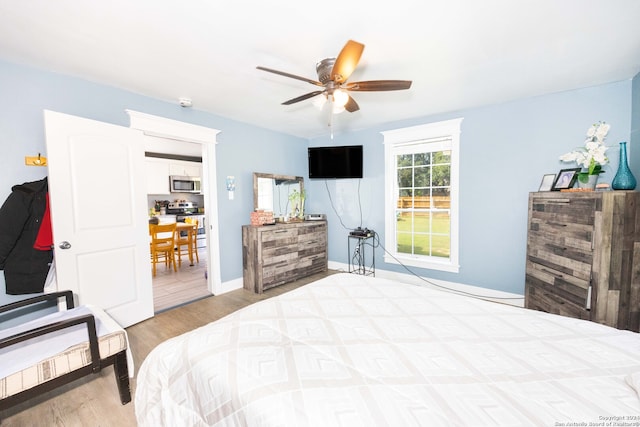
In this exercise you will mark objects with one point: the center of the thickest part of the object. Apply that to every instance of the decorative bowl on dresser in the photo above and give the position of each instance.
(583, 256)
(276, 254)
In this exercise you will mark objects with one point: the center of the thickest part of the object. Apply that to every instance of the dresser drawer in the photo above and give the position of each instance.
(566, 209)
(544, 297)
(278, 236)
(278, 273)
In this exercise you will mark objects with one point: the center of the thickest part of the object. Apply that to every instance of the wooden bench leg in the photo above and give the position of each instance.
(122, 377)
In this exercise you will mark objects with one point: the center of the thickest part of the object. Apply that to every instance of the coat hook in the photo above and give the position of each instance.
(35, 161)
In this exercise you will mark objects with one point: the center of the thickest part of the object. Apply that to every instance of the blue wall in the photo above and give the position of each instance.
(520, 141)
(27, 92)
(505, 151)
(634, 140)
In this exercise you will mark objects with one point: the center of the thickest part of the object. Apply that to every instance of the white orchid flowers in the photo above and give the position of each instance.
(593, 155)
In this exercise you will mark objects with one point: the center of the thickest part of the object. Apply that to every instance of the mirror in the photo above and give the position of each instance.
(271, 192)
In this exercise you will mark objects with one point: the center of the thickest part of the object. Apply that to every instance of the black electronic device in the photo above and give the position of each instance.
(335, 162)
(361, 232)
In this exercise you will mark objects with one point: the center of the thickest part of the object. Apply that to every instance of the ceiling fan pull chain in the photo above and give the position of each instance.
(330, 109)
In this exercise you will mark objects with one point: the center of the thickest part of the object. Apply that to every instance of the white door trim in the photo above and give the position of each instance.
(180, 131)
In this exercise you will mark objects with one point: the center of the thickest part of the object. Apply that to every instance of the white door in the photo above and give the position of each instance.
(98, 213)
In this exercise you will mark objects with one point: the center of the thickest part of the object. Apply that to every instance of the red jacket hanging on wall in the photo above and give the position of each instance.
(21, 216)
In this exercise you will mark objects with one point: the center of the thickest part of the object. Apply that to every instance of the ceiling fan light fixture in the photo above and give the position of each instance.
(319, 102)
(340, 97)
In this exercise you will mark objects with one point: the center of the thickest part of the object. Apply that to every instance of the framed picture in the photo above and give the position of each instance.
(547, 182)
(566, 178)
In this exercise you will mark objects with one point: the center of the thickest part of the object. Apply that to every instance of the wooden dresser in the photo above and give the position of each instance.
(277, 254)
(583, 256)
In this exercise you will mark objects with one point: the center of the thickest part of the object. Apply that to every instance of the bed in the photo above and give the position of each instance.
(350, 350)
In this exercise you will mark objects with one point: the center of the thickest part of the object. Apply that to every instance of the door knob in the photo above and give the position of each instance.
(65, 245)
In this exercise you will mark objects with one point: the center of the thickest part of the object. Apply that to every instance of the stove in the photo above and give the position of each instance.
(182, 208)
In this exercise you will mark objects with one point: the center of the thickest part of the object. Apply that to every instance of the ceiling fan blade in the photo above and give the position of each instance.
(346, 61)
(303, 97)
(378, 85)
(351, 105)
(293, 76)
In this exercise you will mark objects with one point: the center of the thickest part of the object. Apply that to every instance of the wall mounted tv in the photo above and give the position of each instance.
(335, 162)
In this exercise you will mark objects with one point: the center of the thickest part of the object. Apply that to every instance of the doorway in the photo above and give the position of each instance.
(183, 140)
(187, 282)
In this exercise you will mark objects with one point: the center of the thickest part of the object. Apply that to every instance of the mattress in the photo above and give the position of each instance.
(351, 350)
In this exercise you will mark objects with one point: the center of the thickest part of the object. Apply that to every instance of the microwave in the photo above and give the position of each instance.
(185, 184)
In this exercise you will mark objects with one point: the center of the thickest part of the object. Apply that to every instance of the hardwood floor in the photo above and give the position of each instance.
(94, 400)
(189, 283)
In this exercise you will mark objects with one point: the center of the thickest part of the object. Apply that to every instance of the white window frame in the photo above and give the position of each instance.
(404, 138)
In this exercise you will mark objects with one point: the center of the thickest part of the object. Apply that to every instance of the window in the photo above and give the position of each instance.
(421, 195)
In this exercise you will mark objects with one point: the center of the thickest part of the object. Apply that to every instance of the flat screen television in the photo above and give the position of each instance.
(335, 162)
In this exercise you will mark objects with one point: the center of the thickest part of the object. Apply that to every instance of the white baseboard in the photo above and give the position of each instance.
(230, 285)
(484, 293)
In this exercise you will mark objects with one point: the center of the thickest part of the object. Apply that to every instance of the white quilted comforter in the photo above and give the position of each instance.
(350, 350)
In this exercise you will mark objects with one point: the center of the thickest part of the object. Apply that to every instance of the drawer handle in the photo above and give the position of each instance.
(558, 200)
(556, 224)
(552, 273)
(280, 231)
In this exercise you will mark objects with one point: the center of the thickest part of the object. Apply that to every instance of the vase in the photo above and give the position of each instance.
(591, 182)
(624, 179)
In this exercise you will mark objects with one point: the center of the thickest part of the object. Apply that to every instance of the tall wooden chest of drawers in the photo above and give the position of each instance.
(277, 254)
(583, 256)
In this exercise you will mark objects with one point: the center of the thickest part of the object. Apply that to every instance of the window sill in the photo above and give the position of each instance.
(421, 263)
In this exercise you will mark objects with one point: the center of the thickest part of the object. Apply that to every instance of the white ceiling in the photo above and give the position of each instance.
(458, 53)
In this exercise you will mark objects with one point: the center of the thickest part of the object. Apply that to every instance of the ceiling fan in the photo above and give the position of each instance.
(333, 74)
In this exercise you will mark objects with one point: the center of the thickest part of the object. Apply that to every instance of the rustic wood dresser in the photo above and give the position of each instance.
(583, 256)
(276, 254)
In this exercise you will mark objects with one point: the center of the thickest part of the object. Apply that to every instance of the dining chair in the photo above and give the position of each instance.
(163, 243)
(187, 244)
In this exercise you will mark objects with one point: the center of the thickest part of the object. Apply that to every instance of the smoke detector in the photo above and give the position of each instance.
(185, 102)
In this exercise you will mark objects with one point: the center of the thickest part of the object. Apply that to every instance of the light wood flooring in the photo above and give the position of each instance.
(94, 400)
(189, 283)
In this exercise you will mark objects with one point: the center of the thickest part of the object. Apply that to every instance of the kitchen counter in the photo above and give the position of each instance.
(166, 219)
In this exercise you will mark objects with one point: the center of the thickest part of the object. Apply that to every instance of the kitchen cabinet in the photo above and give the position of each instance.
(583, 256)
(276, 254)
(157, 175)
(159, 169)
(184, 168)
